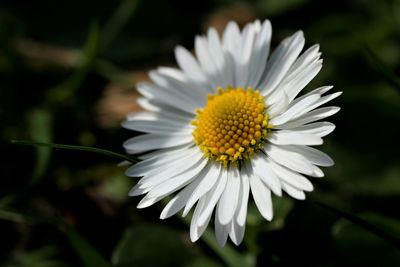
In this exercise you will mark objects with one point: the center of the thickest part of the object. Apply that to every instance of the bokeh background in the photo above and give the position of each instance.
(67, 75)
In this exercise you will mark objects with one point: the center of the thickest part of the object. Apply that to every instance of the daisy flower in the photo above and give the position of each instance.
(229, 123)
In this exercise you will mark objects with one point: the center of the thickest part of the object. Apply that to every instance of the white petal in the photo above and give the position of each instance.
(163, 156)
(312, 116)
(147, 202)
(243, 59)
(321, 101)
(317, 172)
(309, 56)
(176, 82)
(176, 117)
(262, 197)
(231, 37)
(197, 230)
(294, 86)
(236, 232)
(189, 65)
(173, 86)
(292, 178)
(319, 91)
(206, 63)
(293, 138)
(180, 200)
(184, 82)
(219, 56)
(178, 181)
(159, 127)
(161, 153)
(293, 191)
(302, 72)
(221, 232)
(167, 171)
(261, 168)
(147, 104)
(154, 106)
(206, 184)
(229, 199)
(260, 53)
(281, 60)
(320, 129)
(230, 44)
(213, 197)
(277, 103)
(169, 98)
(294, 110)
(137, 190)
(289, 159)
(241, 212)
(313, 155)
(148, 142)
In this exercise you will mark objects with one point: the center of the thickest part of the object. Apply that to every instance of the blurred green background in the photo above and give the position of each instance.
(67, 75)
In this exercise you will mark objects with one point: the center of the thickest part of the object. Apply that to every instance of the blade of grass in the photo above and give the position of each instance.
(77, 148)
(113, 73)
(40, 126)
(11, 216)
(227, 253)
(389, 238)
(86, 252)
(381, 67)
(117, 21)
(65, 90)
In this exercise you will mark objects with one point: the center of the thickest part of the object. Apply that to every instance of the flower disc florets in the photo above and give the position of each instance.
(232, 125)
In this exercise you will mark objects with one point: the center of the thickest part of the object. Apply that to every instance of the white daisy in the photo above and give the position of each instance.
(228, 122)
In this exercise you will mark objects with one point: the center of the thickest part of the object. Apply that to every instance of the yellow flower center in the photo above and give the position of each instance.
(232, 125)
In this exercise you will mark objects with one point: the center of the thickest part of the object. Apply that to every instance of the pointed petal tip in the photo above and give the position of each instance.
(194, 238)
(145, 202)
(236, 242)
(278, 193)
(268, 217)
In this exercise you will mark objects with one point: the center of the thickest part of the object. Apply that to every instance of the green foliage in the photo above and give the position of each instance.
(89, 256)
(58, 57)
(388, 237)
(42, 257)
(76, 148)
(41, 126)
(361, 247)
(151, 245)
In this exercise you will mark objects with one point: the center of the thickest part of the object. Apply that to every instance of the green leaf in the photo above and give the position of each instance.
(388, 237)
(113, 73)
(115, 188)
(276, 7)
(89, 256)
(66, 90)
(40, 126)
(228, 254)
(77, 148)
(117, 21)
(11, 216)
(17, 217)
(150, 245)
(204, 262)
(381, 67)
(362, 248)
(42, 257)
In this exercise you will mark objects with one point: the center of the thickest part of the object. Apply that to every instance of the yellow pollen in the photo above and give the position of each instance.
(232, 126)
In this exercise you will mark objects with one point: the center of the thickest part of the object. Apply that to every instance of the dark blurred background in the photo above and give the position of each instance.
(67, 75)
